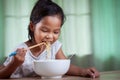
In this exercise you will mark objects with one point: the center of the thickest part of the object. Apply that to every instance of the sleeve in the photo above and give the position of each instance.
(8, 60)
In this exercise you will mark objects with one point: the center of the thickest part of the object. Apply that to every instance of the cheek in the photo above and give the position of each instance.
(38, 36)
(56, 37)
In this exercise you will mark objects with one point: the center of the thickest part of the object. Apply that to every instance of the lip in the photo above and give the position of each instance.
(48, 41)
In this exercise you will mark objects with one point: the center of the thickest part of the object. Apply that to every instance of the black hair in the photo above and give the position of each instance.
(44, 8)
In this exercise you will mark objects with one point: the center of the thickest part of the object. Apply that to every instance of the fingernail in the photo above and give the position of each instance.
(93, 75)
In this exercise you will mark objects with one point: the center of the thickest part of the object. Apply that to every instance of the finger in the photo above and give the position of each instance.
(91, 74)
(95, 72)
(21, 52)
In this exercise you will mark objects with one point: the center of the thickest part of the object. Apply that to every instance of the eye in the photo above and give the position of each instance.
(56, 32)
(44, 30)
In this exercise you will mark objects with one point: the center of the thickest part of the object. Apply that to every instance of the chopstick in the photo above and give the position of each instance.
(36, 45)
(14, 53)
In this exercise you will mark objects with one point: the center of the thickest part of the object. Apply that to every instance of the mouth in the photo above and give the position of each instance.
(47, 42)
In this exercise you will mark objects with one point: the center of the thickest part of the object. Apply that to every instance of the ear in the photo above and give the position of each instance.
(31, 25)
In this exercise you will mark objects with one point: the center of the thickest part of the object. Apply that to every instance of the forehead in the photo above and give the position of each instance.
(53, 21)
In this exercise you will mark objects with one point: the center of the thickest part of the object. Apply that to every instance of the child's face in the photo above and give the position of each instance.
(48, 29)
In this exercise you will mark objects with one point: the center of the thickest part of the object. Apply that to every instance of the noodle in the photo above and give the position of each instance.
(48, 49)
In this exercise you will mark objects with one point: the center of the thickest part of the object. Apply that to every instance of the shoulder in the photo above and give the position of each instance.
(56, 46)
(21, 45)
(57, 43)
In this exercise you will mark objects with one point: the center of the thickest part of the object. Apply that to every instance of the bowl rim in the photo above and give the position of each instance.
(51, 60)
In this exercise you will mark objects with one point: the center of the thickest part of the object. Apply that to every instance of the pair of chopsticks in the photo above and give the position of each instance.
(14, 53)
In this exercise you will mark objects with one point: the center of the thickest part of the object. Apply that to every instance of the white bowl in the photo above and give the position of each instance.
(51, 68)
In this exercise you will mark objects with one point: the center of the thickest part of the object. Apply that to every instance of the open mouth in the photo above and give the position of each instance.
(47, 42)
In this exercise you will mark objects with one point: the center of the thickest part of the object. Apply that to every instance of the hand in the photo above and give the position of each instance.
(91, 72)
(20, 56)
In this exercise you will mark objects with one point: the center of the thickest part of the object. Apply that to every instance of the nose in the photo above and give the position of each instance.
(49, 37)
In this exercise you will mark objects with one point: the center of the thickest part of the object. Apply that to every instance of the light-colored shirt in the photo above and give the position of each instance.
(26, 69)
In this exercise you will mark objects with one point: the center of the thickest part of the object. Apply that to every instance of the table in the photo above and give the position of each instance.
(110, 75)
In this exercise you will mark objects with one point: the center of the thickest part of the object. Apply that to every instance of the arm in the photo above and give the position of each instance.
(77, 71)
(6, 71)
(17, 60)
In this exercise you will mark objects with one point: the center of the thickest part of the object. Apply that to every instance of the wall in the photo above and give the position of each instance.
(1, 31)
(106, 29)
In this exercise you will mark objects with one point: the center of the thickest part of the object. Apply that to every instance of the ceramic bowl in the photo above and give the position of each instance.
(51, 68)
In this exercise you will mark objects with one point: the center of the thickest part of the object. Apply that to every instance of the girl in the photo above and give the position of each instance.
(45, 25)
